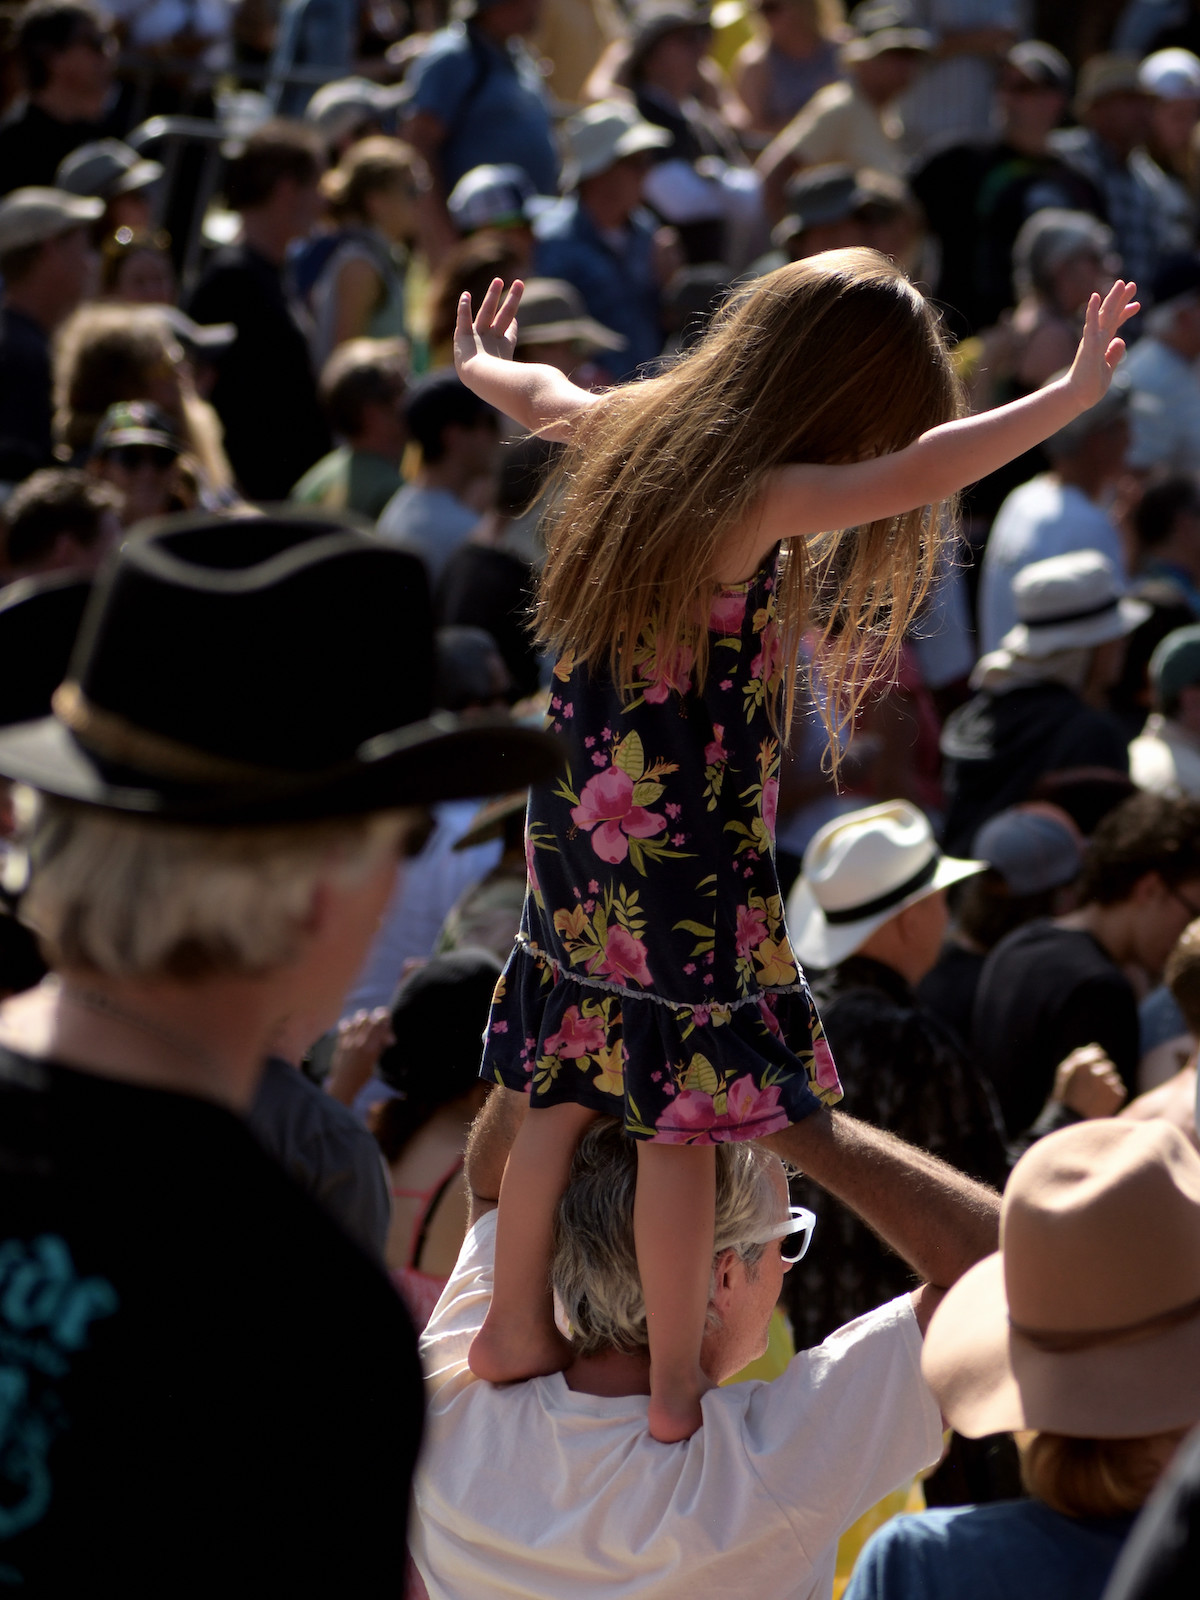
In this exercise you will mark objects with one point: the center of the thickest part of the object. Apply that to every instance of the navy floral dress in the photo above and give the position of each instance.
(652, 978)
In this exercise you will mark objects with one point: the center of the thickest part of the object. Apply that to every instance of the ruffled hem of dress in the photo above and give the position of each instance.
(682, 1074)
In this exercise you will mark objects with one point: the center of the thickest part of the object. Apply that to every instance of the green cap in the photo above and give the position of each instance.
(1175, 663)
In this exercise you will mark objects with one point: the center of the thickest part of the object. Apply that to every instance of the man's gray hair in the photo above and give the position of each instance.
(594, 1269)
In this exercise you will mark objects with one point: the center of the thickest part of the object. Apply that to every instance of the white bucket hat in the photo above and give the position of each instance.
(861, 869)
(1070, 602)
(605, 133)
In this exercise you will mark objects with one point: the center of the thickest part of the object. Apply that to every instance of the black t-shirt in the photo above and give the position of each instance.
(997, 746)
(948, 989)
(32, 143)
(1045, 991)
(205, 1388)
(25, 404)
(265, 393)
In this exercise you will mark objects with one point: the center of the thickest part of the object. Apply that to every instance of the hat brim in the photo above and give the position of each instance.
(819, 943)
(899, 41)
(1038, 642)
(443, 758)
(584, 329)
(126, 436)
(634, 141)
(139, 176)
(989, 1379)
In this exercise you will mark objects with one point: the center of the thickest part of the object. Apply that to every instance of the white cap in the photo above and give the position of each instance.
(1171, 75)
(34, 215)
(605, 133)
(859, 871)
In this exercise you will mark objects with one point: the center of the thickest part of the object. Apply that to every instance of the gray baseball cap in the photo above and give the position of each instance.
(35, 215)
(1034, 848)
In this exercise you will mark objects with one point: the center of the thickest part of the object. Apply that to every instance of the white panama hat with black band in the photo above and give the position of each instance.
(1070, 602)
(859, 871)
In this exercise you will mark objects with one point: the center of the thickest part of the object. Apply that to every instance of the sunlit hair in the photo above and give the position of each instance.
(1092, 1477)
(133, 899)
(832, 359)
(594, 1267)
(371, 165)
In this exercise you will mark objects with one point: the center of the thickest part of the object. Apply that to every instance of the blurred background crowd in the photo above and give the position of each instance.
(233, 238)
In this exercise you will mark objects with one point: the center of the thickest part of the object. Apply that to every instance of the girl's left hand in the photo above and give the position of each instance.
(494, 330)
(1099, 349)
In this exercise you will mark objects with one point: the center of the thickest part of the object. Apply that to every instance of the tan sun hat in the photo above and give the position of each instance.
(1087, 1321)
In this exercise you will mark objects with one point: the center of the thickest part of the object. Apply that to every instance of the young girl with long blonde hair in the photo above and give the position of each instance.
(793, 469)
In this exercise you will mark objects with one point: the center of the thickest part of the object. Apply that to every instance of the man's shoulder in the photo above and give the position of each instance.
(1050, 956)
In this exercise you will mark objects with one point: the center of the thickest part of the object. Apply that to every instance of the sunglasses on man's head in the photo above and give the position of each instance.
(798, 1221)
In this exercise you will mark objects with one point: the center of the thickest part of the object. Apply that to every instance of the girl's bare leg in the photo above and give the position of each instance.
(518, 1338)
(673, 1217)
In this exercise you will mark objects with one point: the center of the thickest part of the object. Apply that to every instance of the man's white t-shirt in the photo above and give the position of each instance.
(537, 1492)
(1042, 518)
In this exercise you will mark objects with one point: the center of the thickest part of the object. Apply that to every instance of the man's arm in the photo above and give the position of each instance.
(488, 1143)
(938, 1220)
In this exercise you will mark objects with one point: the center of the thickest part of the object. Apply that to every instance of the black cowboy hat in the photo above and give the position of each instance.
(260, 669)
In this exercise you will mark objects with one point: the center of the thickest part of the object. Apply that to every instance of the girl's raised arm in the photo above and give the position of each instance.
(806, 499)
(540, 398)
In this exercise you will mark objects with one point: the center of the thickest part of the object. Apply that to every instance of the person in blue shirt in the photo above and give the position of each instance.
(1083, 1336)
(601, 239)
(478, 99)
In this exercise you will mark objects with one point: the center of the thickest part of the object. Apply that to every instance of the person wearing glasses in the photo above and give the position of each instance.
(67, 54)
(553, 1488)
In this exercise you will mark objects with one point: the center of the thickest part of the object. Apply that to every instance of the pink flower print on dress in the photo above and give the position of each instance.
(606, 804)
(622, 959)
(751, 929)
(668, 670)
(728, 613)
(767, 662)
(578, 1036)
(770, 805)
(716, 751)
(826, 1068)
(749, 1112)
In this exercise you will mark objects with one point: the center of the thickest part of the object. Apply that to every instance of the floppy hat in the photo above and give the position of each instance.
(818, 195)
(106, 168)
(135, 422)
(36, 215)
(552, 310)
(195, 693)
(1070, 602)
(655, 19)
(490, 197)
(338, 107)
(1040, 63)
(859, 870)
(605, 133)
(1087, 1320)
(1175, 664)
(882, 25)
(1172, 74)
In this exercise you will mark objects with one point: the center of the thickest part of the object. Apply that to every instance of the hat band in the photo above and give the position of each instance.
(885, 902)
(114, 738)
(1069, 1343)
(1060, 617)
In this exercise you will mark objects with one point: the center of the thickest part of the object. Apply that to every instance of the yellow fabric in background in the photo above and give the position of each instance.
(909, 1497)
(733, 26)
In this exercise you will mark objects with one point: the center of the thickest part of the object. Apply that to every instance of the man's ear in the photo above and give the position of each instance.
(729, 1271)
(1150, 886)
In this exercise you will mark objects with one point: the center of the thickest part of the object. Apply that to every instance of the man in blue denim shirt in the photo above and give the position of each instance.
(599, 237)
(478, 98)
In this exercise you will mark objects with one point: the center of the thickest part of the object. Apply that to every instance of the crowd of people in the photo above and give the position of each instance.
(757, 1057)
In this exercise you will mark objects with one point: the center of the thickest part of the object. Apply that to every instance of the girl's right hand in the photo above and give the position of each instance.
(1100, 350)
(494, 330)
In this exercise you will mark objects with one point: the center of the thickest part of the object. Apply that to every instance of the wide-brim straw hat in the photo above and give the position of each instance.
(1087, 1321)
(860, 870)
(1070, 602)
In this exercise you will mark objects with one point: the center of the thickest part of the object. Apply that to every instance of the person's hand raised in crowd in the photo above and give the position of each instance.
(361, 1040)
(1100, 350)
(493, 331)
(1088, 1083)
